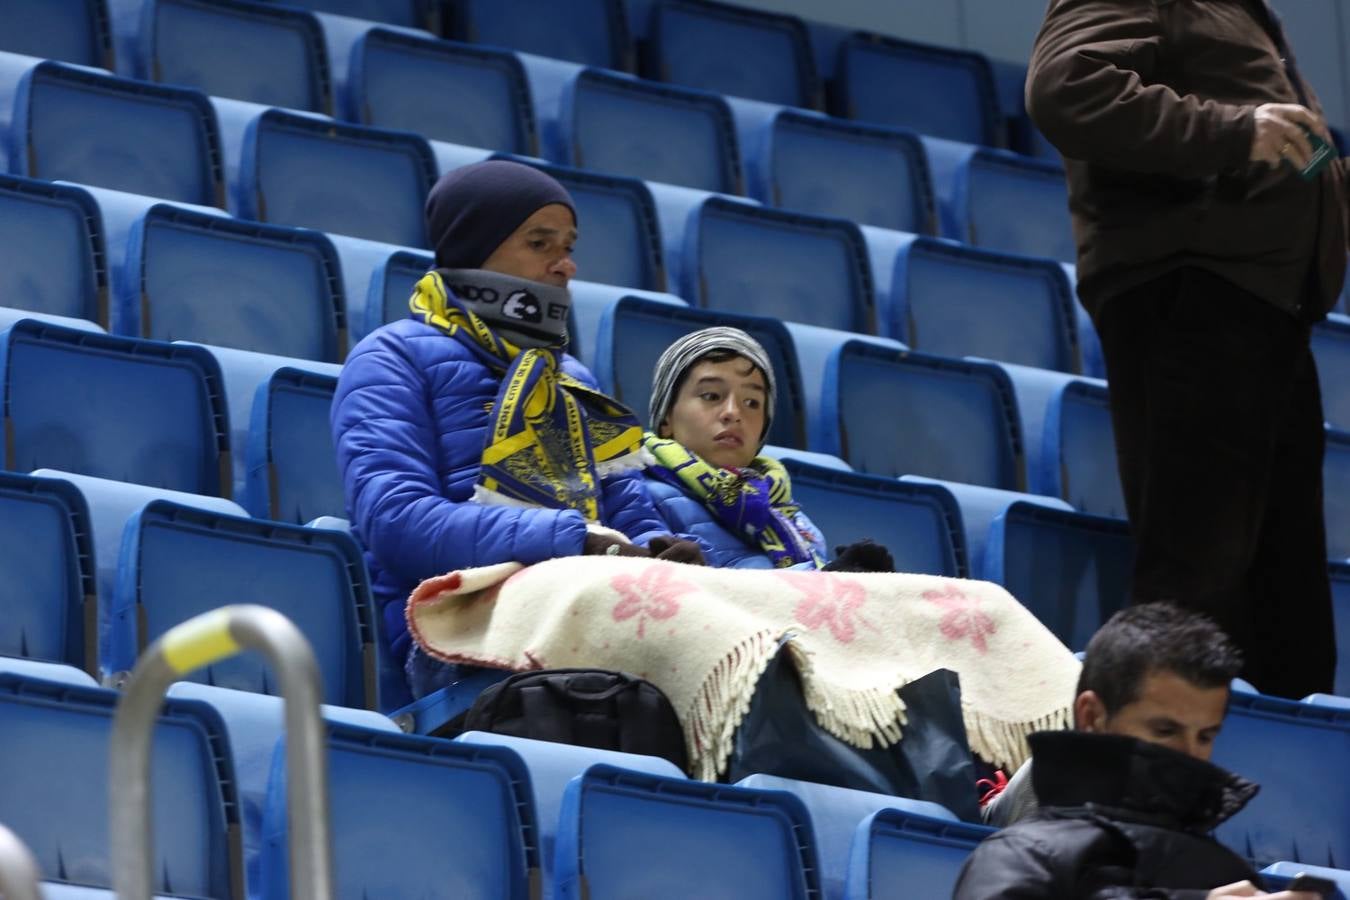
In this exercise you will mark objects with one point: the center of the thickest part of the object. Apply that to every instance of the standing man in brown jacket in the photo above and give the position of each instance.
(1204, 255)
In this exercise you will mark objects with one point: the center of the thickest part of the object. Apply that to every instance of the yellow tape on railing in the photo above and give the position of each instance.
(199, 642)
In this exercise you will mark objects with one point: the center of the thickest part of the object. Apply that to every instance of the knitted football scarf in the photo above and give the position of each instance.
(754, 503)
(550, 438)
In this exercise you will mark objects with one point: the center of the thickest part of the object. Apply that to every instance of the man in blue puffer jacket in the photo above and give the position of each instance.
(465, 436)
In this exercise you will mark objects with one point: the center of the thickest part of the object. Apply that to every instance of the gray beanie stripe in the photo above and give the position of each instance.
(682, 354)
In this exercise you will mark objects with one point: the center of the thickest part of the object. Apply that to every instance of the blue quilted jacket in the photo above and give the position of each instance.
(409, 419)
(722, 548)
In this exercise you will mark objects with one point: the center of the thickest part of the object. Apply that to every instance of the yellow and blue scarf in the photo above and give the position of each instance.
(550, 438)
(754, 503)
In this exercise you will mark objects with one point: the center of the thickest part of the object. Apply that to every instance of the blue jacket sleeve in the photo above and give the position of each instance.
(629, 508)
(386, 432)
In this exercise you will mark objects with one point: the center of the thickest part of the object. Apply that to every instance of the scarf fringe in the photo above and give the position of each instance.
(722, 702)
(489, 497)
(629, 462)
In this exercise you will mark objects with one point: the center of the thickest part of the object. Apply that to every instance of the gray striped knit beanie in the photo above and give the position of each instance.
(682, 354)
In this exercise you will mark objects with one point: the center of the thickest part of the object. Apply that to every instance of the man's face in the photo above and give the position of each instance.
(719, 412)
(540, 249)
(1169, 710)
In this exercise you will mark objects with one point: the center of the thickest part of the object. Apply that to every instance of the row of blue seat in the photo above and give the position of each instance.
(493, 817)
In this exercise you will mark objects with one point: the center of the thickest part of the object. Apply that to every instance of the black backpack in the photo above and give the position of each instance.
(585, 707)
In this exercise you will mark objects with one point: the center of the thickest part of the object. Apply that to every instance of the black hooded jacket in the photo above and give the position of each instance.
(1120, 819)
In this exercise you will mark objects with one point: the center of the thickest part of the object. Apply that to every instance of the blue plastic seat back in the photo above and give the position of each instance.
(733, 50)
(1014, 204)
(246, 51)
(178, 561)
(831, 167)
(919, 523)
(590, 32)
(392, 284)
(365, 182)
(393, 73)
(620, 234)
(631, 834)
(950, 419)
(292, 466)
(1340, 598)
(54, 788)
(1072, 570)
(618, 125)
(193, 276)
(52, 257)
(634, 332)
(954, 300)
(1281, 874)
(409, 13)
(92, 128)
(765, 262)
(47, 555)
(899, 856)
(1336, 493)
(1080, 449)
(1331, 348)
(112, 407)
(1291, 749)
(415, 817)
(75, 31)
(932, 90)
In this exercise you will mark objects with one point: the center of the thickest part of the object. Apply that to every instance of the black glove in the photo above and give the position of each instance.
(600, 544)
(864, 556)
(673, 549)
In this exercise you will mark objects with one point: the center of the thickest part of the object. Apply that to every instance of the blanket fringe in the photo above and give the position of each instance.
(1005, 743)
(722, 702)
(864, 717)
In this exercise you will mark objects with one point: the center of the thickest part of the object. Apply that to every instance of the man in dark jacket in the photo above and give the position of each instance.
(1204, 255)
(1123, 806)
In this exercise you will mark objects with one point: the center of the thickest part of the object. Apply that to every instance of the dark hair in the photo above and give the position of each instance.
(712, 356)
(1155, 637)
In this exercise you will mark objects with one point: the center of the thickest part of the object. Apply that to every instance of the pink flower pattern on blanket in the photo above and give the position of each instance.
(961, 618)
(831, 601)
(654, 593)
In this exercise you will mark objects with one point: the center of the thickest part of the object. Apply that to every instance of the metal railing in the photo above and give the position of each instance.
(19, 874)
(198, 642)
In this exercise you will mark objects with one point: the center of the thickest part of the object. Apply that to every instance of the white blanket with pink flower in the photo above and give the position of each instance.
(704, 636)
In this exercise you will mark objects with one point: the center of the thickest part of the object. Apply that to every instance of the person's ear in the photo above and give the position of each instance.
(663, 429)
(1089, 712)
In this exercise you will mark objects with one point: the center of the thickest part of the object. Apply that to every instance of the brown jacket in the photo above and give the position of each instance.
(1152, 104)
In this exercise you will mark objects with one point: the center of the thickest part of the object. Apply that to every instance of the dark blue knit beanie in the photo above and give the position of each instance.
(471, 210)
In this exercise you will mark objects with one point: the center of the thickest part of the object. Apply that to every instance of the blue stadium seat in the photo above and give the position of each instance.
(953, 300)
(1281, 874)
(620, 233)
(74, 31)
(632, 834)
(808, 162)
(1013, 204)
(810, 457)
(733, 50)
(310, 171)
(415, 817)
(919, 523)
(1340, 598)
(1292, 750)
(899, 855)
(241, 49)
(944, 418)
(755, 260)
(408, 13)
(68, 123)
(1331, 348)
(52, 250)
(937, 91)
(393, 74)
(1336, 493)
(195, 274)
(378, 280)
(594, 304)
(634, 331)
(1071, 569)
(47, 555)
(179, 561)
(835, 814)
(620, 125)
(114, 407)
(253, 724)
(54, 789)
(589, 32)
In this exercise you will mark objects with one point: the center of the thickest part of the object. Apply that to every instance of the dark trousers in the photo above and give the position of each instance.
(1218, 429)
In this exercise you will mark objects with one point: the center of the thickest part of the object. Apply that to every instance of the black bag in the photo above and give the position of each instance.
(780, 736)
(585, 707)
